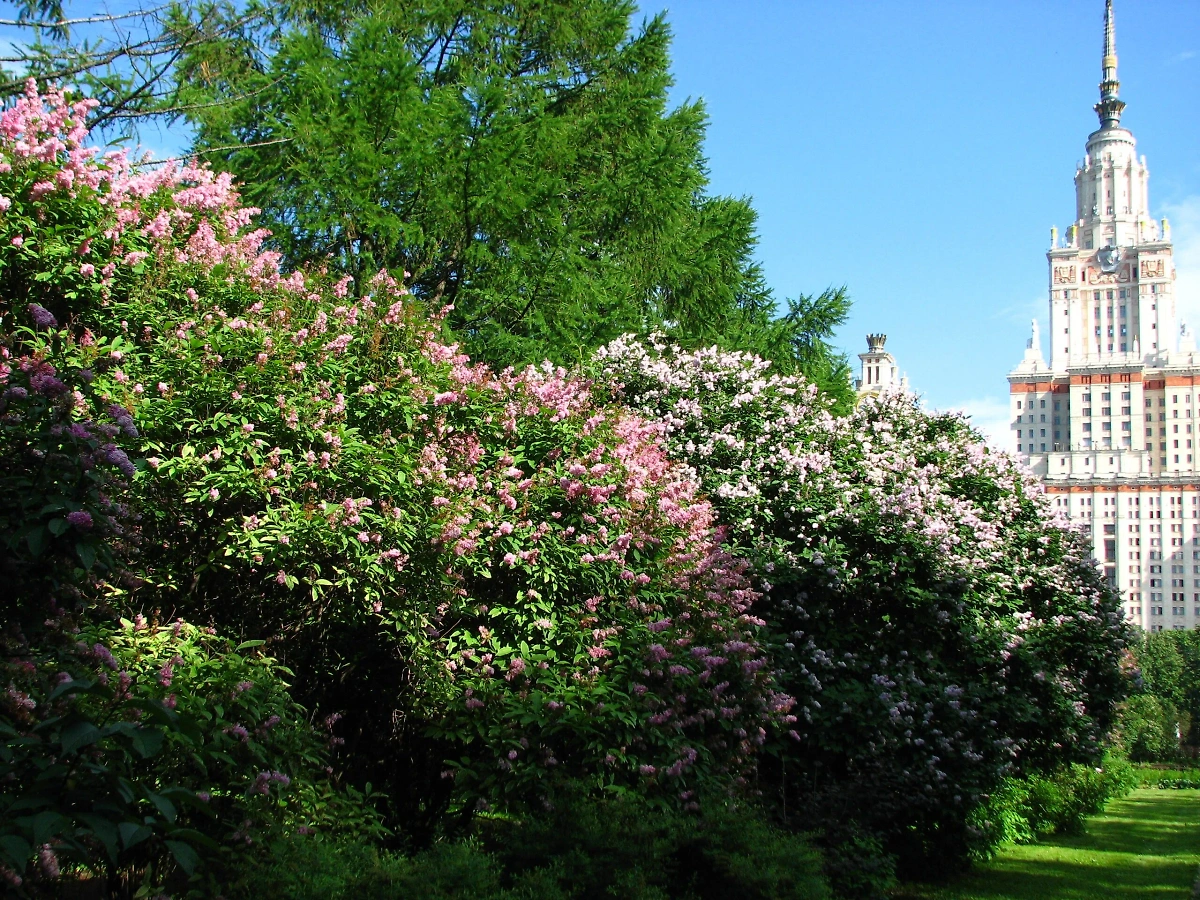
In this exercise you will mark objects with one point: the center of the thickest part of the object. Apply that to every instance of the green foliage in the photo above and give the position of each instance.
(621, 848)
(163, 752)
(1027, 809)
(303, 868)
(1149, 729)
(517, 160)
(578, 850)
(1175, 777)
(1169, 662)
(857, 864)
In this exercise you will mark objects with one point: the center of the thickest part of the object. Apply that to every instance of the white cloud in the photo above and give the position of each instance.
(991, 416)
(1180, 57)
(1185, 233)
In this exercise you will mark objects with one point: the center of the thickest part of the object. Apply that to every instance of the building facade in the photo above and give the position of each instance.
(1109, 423)
(878, 371)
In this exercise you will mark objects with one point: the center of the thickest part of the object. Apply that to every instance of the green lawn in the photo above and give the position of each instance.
(1145, 846)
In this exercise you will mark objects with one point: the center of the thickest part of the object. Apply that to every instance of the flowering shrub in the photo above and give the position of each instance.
(937, 626)
(146, 751)
(494, 562)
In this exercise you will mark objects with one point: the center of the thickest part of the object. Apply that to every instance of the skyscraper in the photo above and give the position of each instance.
(1109, 423)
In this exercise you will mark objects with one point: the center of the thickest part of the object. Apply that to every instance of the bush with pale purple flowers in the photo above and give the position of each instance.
(937, 626)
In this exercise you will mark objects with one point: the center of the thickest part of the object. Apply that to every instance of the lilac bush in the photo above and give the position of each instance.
(499, 581)
(937, 625)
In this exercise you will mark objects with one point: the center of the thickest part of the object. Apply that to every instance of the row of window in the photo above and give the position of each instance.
(1175, 610)
(1106, 397)
(1126, 443)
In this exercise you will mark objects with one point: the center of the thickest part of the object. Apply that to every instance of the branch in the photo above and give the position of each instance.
(171, 110)
(157, 162)
(63, 23)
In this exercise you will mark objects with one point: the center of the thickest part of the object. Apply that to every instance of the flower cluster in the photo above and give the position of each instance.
(496, 560)
(920, 590)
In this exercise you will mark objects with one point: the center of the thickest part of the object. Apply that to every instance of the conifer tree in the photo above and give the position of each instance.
(519, 160)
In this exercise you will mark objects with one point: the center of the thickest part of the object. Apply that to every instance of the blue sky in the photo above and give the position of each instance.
(918, 152)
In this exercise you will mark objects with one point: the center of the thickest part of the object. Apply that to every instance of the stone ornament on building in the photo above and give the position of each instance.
(1095, 276)
(1064, 274)
(1112, 423)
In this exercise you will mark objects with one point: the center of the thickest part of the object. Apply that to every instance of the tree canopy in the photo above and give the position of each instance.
(519, 161)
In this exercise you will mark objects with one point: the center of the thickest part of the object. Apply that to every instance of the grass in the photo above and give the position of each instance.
(1144, 847)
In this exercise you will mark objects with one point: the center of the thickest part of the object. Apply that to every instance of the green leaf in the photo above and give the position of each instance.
(187, 858)
(133, 833)
(81, 685)
(79, 734)
(246, 645)
(87, 553)
(147, 741)
(104, 830)
(16, 851)
(164, 806)
(46, 825)
(36, 538)
(57, 526)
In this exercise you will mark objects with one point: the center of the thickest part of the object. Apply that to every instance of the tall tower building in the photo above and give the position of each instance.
(1109, 423)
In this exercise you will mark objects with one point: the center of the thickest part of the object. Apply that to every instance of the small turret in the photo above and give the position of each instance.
(879, 371)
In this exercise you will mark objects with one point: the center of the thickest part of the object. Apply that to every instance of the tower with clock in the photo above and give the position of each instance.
(1109, 422)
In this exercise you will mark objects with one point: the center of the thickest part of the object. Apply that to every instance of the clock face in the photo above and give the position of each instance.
(1109, 258)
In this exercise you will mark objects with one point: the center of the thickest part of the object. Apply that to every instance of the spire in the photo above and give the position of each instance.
(1109, 108)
